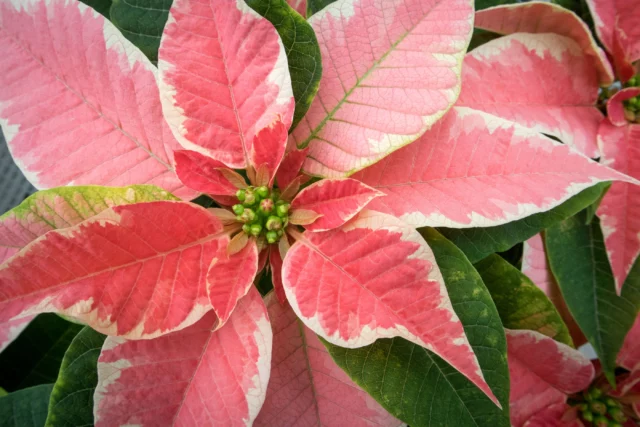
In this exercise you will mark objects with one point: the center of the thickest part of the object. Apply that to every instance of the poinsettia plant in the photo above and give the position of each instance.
(330, 148)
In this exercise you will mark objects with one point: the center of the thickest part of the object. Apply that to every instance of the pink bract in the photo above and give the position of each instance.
(535, 265)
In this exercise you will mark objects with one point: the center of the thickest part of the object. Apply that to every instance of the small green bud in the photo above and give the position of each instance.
(256, 229)
(611, 402)
(266, 206)
(240, 194)
(247, 228)
(587, 416)
(248, 215)
(283, 210)
(272, 236)
(280, 233)
(262, 191)
(634, 101)
(238, 209)
(582, 407)
(249, 198)
(595, 393)
(633, 81)
(598, 407)
(615, 425)
(274, 223)
(617, 415)
(601, 421)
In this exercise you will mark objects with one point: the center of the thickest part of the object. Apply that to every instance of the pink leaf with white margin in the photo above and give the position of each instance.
(556, 415)
(391, 68)
(535, 265)
(10, 330)
(202, 173)
(79, 104)
(299, 6)
(542, 372)
(619, 210)
(477, 170)
(539, 17)
(223, 77)
(290, 167)
(376, 277)
(135, 270)
(541, 81)
(230, 277)
(268, 148)
(198, 376)
(337, 200)
(275, 263)
(629, 356)
(615, 105)
(306, 387)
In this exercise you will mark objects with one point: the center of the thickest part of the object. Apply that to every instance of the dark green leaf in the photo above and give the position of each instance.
(35, 356)
(314, 6)
(578, 260)
(417, 386)
(25, 408)
(481, 37)
(102, 6)
(142, 22)
(303, 52)
(72, 396)
(521, 304)
(592, 208)
(478, 243)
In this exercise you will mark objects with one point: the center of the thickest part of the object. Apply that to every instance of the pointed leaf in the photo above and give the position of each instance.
(306, 387)
(616, 108)
(268, 148)
(579, 263)
(303, 217)
(419, 387)
(101, 6)
(629, 356)
(520, 303)
(290, 167)
(352, 285)
(71, 402)
(535, 266)
(556, 415)
(336, 200)
(11, 330)
(196, 376)
(80, 104)
(25, 408)
(314, 6)
(539, 17)
(119, 270)
(391, 68)
(204, 174)
(543, 372)
(65, 207)
(275, 263)
(299, 6)
(231, 81)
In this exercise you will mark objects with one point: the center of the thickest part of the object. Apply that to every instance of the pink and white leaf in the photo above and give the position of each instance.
(629, 355)
(391, 69)
(268, 148)
(474, 169)
(615, 105)
(290, 167)
(535, 265)
(204, 174)
(555, 415)
(376, 277)
(619, 211)
(540, 17)
(198, 376)
(230, 277)
(232, 81)
(79, 104)
(542, 372)
(10, 330)
(299, 6)
(335, 200)
(136, 271)
(306, 387)
(275, 263)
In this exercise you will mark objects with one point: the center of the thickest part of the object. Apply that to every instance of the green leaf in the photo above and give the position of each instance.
(25, 408)
(314, 6)
(35, 356)
(417, 386)
(72, 396)
(101, 6)
(478, 243)
(579, 262)
(303, 52)
(521, 304)
(592, 208)
(142, 22)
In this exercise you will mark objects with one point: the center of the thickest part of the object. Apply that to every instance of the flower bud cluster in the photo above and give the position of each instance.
(262, 212)
(601, 410)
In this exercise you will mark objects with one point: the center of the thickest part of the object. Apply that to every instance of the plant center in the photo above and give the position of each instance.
(262, 212)
(600, 409)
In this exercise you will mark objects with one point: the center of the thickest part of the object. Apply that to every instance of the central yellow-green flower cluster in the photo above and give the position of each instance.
(262, 212)
(600, 409)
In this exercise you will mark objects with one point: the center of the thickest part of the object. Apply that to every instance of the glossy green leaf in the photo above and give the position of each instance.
(25, 408)
(101, 6)
(593, 208)
(417, 386)
(314, 6)
(521, 304)
(35, 356)
(303, 52)
(72, 396)
(578, 260)
(478, 243)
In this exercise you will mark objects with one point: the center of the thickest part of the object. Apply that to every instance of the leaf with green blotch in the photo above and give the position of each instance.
(418, 387)
(142, 22)
(303, 52)
(314, 6)
(477, 243)
(34, 357)
(25, 408)
(521, 304)
(101, 6)
(578, 260)
(72, 396)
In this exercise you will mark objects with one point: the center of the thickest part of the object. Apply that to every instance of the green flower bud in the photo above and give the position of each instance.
(274, 223)
(634, 101)
(615, 425)
(248, 215)
(280, 233)
(247, 228)
(272, 236)
(263, 191)
(249, 198)
(283, 210)
(240, 194)
(595, 393)
(601, 421)
(238, 209)
(587, 416)
(266, 206)
(256, 229)
(617, 415)
(582, 407)
(598, 407)
(633, 81)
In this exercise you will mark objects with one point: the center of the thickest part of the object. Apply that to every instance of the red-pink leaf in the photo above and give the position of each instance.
(337, 200)
(79, 104)
(202, 173)
(539, 17)
(299, 6)
(477, 170)
(135, 270)
(619, 211)
(390, 69)
(306, 387)
(198, 376)
(223, 77)
(275, 262)
(290, 167)
(268, 148)
(535, 265)
(10, 330)
(376, 277)
(542, 372)
(556, 415)
(615, 106)
(230, 277)
(629, 356)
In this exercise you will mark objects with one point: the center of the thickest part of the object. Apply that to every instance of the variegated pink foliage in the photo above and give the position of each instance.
(136, 270)
(616, 108)
(542, 372)
(10, 330)
(629, 355)
(232, 81)
(306, 387)
(299, 6)
(275, 263)
(391, 68)
(556, 415)
(290, 166)
(202, 173)
(535, 265)
(375, 277)
(267, 150)
(194, 377)
(79, 104)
